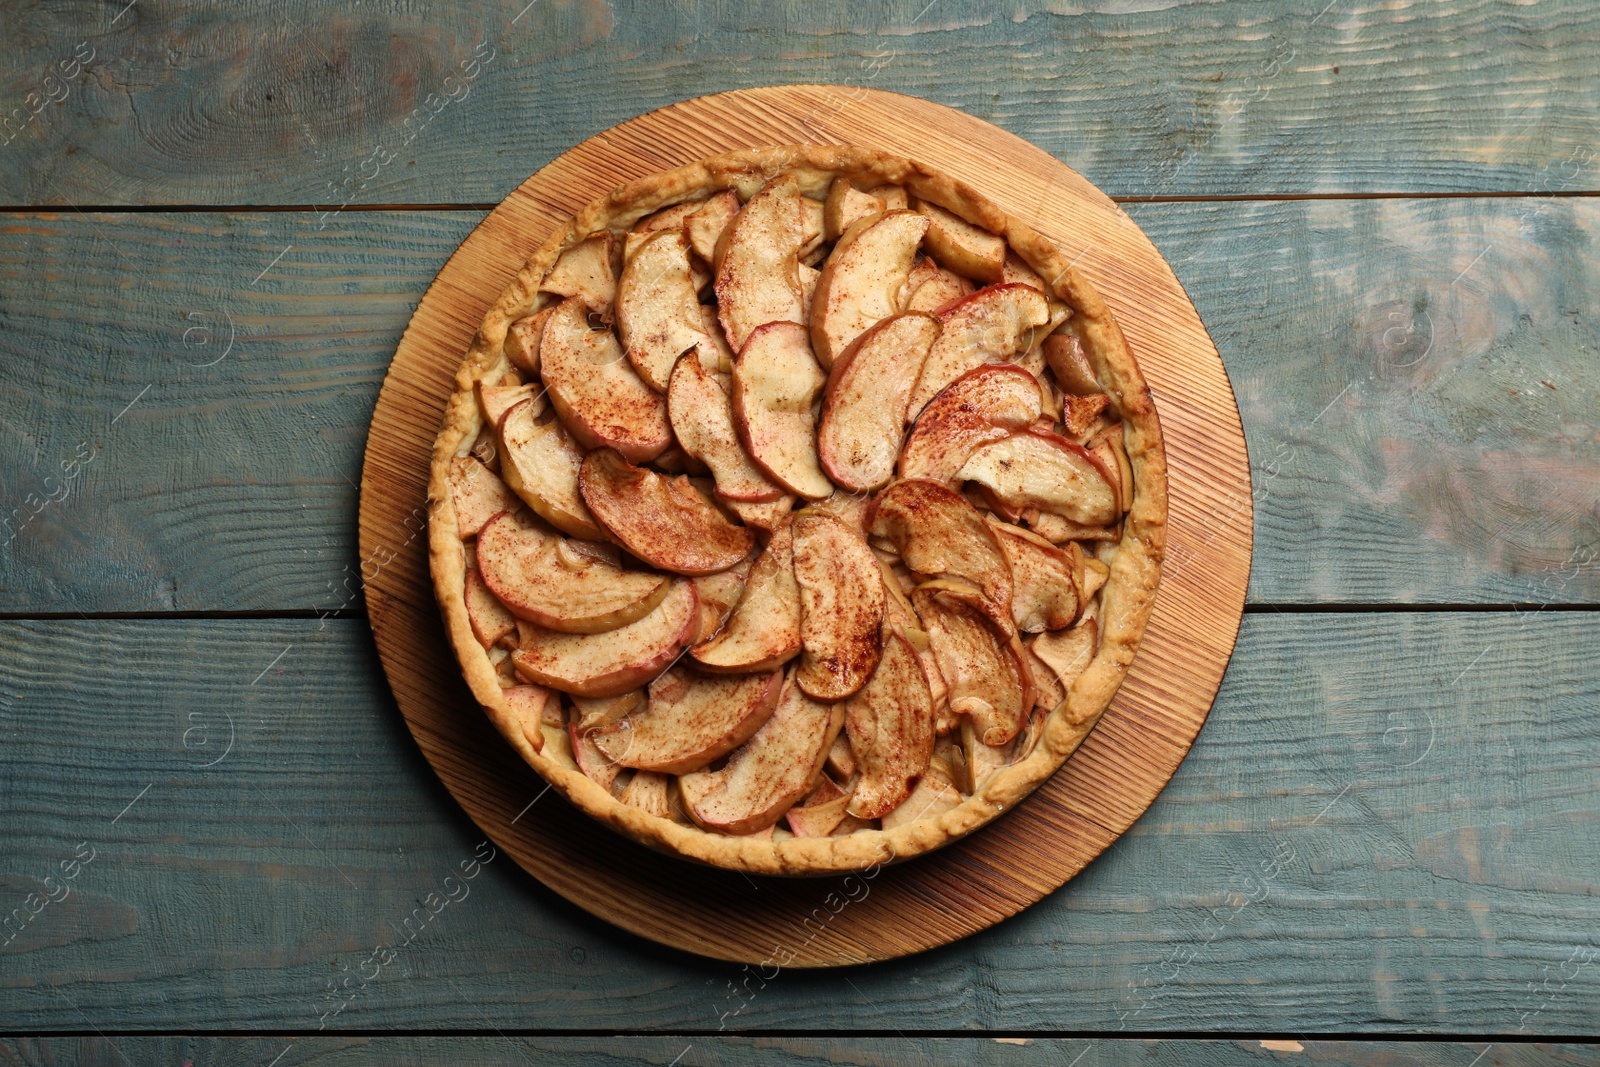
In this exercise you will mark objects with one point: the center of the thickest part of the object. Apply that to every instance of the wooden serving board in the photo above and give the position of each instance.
(1022, 856)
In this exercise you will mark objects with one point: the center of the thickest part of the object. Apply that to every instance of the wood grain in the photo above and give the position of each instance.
(702, 1051)
(1373, 500)
(987, 876)
(301, 104)
(1451, 896)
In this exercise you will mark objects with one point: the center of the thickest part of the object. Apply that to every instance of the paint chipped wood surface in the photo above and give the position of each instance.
(297, 103)
(1387, 825)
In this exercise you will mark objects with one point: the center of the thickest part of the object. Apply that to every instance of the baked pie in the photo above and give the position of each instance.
(797, 510)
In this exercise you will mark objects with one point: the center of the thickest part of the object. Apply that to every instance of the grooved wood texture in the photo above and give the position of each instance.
(989, 875)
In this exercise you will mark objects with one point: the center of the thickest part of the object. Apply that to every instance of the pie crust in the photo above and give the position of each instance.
(1124, 602)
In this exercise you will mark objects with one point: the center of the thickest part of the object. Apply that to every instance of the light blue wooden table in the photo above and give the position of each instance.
(210, 809)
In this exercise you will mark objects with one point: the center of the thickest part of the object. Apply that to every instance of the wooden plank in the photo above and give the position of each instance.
(297, 104)
(1385, 471)
(1387, 825)
(715, 1051)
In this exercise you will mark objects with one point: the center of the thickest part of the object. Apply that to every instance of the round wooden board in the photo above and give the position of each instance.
(1021, 857)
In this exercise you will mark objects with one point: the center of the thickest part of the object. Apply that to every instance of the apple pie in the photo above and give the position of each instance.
(797, 510)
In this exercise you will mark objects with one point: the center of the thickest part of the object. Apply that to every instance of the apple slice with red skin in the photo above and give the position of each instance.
(860, 285)
(538, 576)
(541, 462)
(664, 521)
(599, 396)
(702, 416)
(1044, 579)
(1038, 469)
(766, 775)
(993, 325)
(776, 382)
(658, 308)
(890, 723)
(984, 405)
(864, 411)
(691, 719)
(763, 631)
(841, 607)
(594, 763)
(938, 533)
(1065, 353)
(488, 617)
(610, 663)
(986, 672)
(477, 495)
(758, 265)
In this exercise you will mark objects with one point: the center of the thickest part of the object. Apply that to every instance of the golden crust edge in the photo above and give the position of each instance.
(1126, 601)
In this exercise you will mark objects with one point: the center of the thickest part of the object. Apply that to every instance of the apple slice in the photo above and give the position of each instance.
(894, 197)
(766, 775)
(649, 792)
(861, 283)
(986, 672)
(763, 516)
(758, 275)
(864, 411)
(476, 494)
(527, 704)
(690, 720)
(841, 607)
(489, 618)
(595, 390)
(1081, 414)
(841, 760)
(1108, 447)
(675, 217)
(701, 413)
(1044, 579)
(716, 357)
(929, 287)
(613, 662)
(934, 796)
(588, 271)
(775, 386)
(1064, 351)
(1032, 468)
(664, 521)
(820, 813)
(709, 222)
(890, 723)
(522, 342)
(938, 533)
(594, 712)
(993, 325)
(1067, 652)
(813, 229)
(541, 465)
(595, 764)
(495, 400)
(538, 576)
(845, 206)
(763, 630)
(958, 245)
(658, 309)
(981, 406)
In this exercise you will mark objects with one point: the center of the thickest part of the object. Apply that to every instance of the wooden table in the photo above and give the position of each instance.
(1389, 825)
